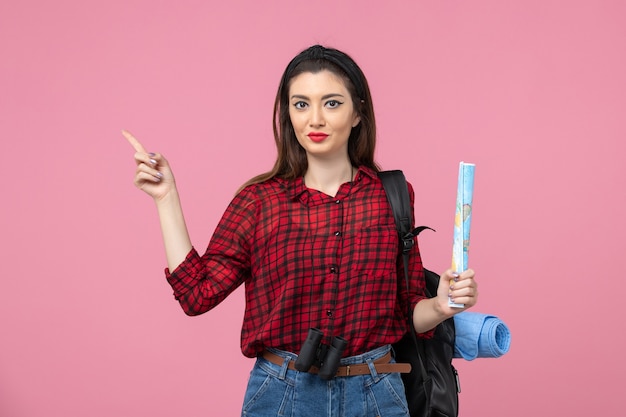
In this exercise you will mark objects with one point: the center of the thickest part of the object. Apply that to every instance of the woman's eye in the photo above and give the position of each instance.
(333, 104)
(300, 105)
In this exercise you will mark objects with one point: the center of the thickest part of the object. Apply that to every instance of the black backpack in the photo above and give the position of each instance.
(432, 386)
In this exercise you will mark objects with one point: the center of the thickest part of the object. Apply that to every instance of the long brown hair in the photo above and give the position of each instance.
(291, 162)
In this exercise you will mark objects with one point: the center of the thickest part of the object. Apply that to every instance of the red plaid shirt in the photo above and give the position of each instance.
(307, 260)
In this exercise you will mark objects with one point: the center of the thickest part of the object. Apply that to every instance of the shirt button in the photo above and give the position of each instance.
(338, 201)
(337, 233)
(333, 269)
(329, 313)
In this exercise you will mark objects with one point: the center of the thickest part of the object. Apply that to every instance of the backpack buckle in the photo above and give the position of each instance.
(408, 242)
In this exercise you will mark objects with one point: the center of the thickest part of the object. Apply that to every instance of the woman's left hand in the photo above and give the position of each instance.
(459, 288)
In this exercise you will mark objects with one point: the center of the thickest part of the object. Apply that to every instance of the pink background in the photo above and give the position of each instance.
(533, 92)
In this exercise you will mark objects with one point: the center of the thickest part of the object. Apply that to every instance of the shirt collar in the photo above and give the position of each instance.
(296, 189)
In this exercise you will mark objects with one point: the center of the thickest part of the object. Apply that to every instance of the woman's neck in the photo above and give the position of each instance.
(328, 177)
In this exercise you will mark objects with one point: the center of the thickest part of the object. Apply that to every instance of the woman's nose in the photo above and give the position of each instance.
(317, 117)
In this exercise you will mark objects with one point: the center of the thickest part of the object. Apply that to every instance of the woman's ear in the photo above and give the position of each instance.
(357, 118)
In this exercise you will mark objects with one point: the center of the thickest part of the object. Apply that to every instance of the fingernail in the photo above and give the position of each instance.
(152, 154)
(152, 161)
(160, 175)
(452, 287)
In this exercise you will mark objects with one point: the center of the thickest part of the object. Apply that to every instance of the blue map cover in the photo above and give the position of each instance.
(462, 219)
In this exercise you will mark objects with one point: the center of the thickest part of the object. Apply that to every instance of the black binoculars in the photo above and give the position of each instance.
(326, 357)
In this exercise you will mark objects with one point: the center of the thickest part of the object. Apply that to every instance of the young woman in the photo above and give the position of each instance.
(314, 242)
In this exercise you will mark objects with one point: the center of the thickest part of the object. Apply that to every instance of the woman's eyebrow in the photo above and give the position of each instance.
(325, 97)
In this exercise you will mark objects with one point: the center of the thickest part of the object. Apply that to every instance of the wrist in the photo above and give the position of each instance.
(168, 199)
(441, 308)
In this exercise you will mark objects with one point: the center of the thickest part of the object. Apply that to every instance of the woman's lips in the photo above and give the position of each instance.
(317, 136)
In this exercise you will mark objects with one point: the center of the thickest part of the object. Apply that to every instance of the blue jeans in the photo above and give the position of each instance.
(275, 390)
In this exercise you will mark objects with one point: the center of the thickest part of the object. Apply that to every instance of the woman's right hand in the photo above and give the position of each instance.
(153, 174)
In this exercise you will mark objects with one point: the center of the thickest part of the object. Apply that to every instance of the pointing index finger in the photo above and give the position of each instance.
(133, 142)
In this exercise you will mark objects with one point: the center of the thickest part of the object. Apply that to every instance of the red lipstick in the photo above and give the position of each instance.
(317, 136)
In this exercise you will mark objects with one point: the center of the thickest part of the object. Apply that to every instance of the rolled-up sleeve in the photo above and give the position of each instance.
(202, 282)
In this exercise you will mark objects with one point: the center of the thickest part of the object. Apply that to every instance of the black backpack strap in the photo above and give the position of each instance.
(397, 192)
